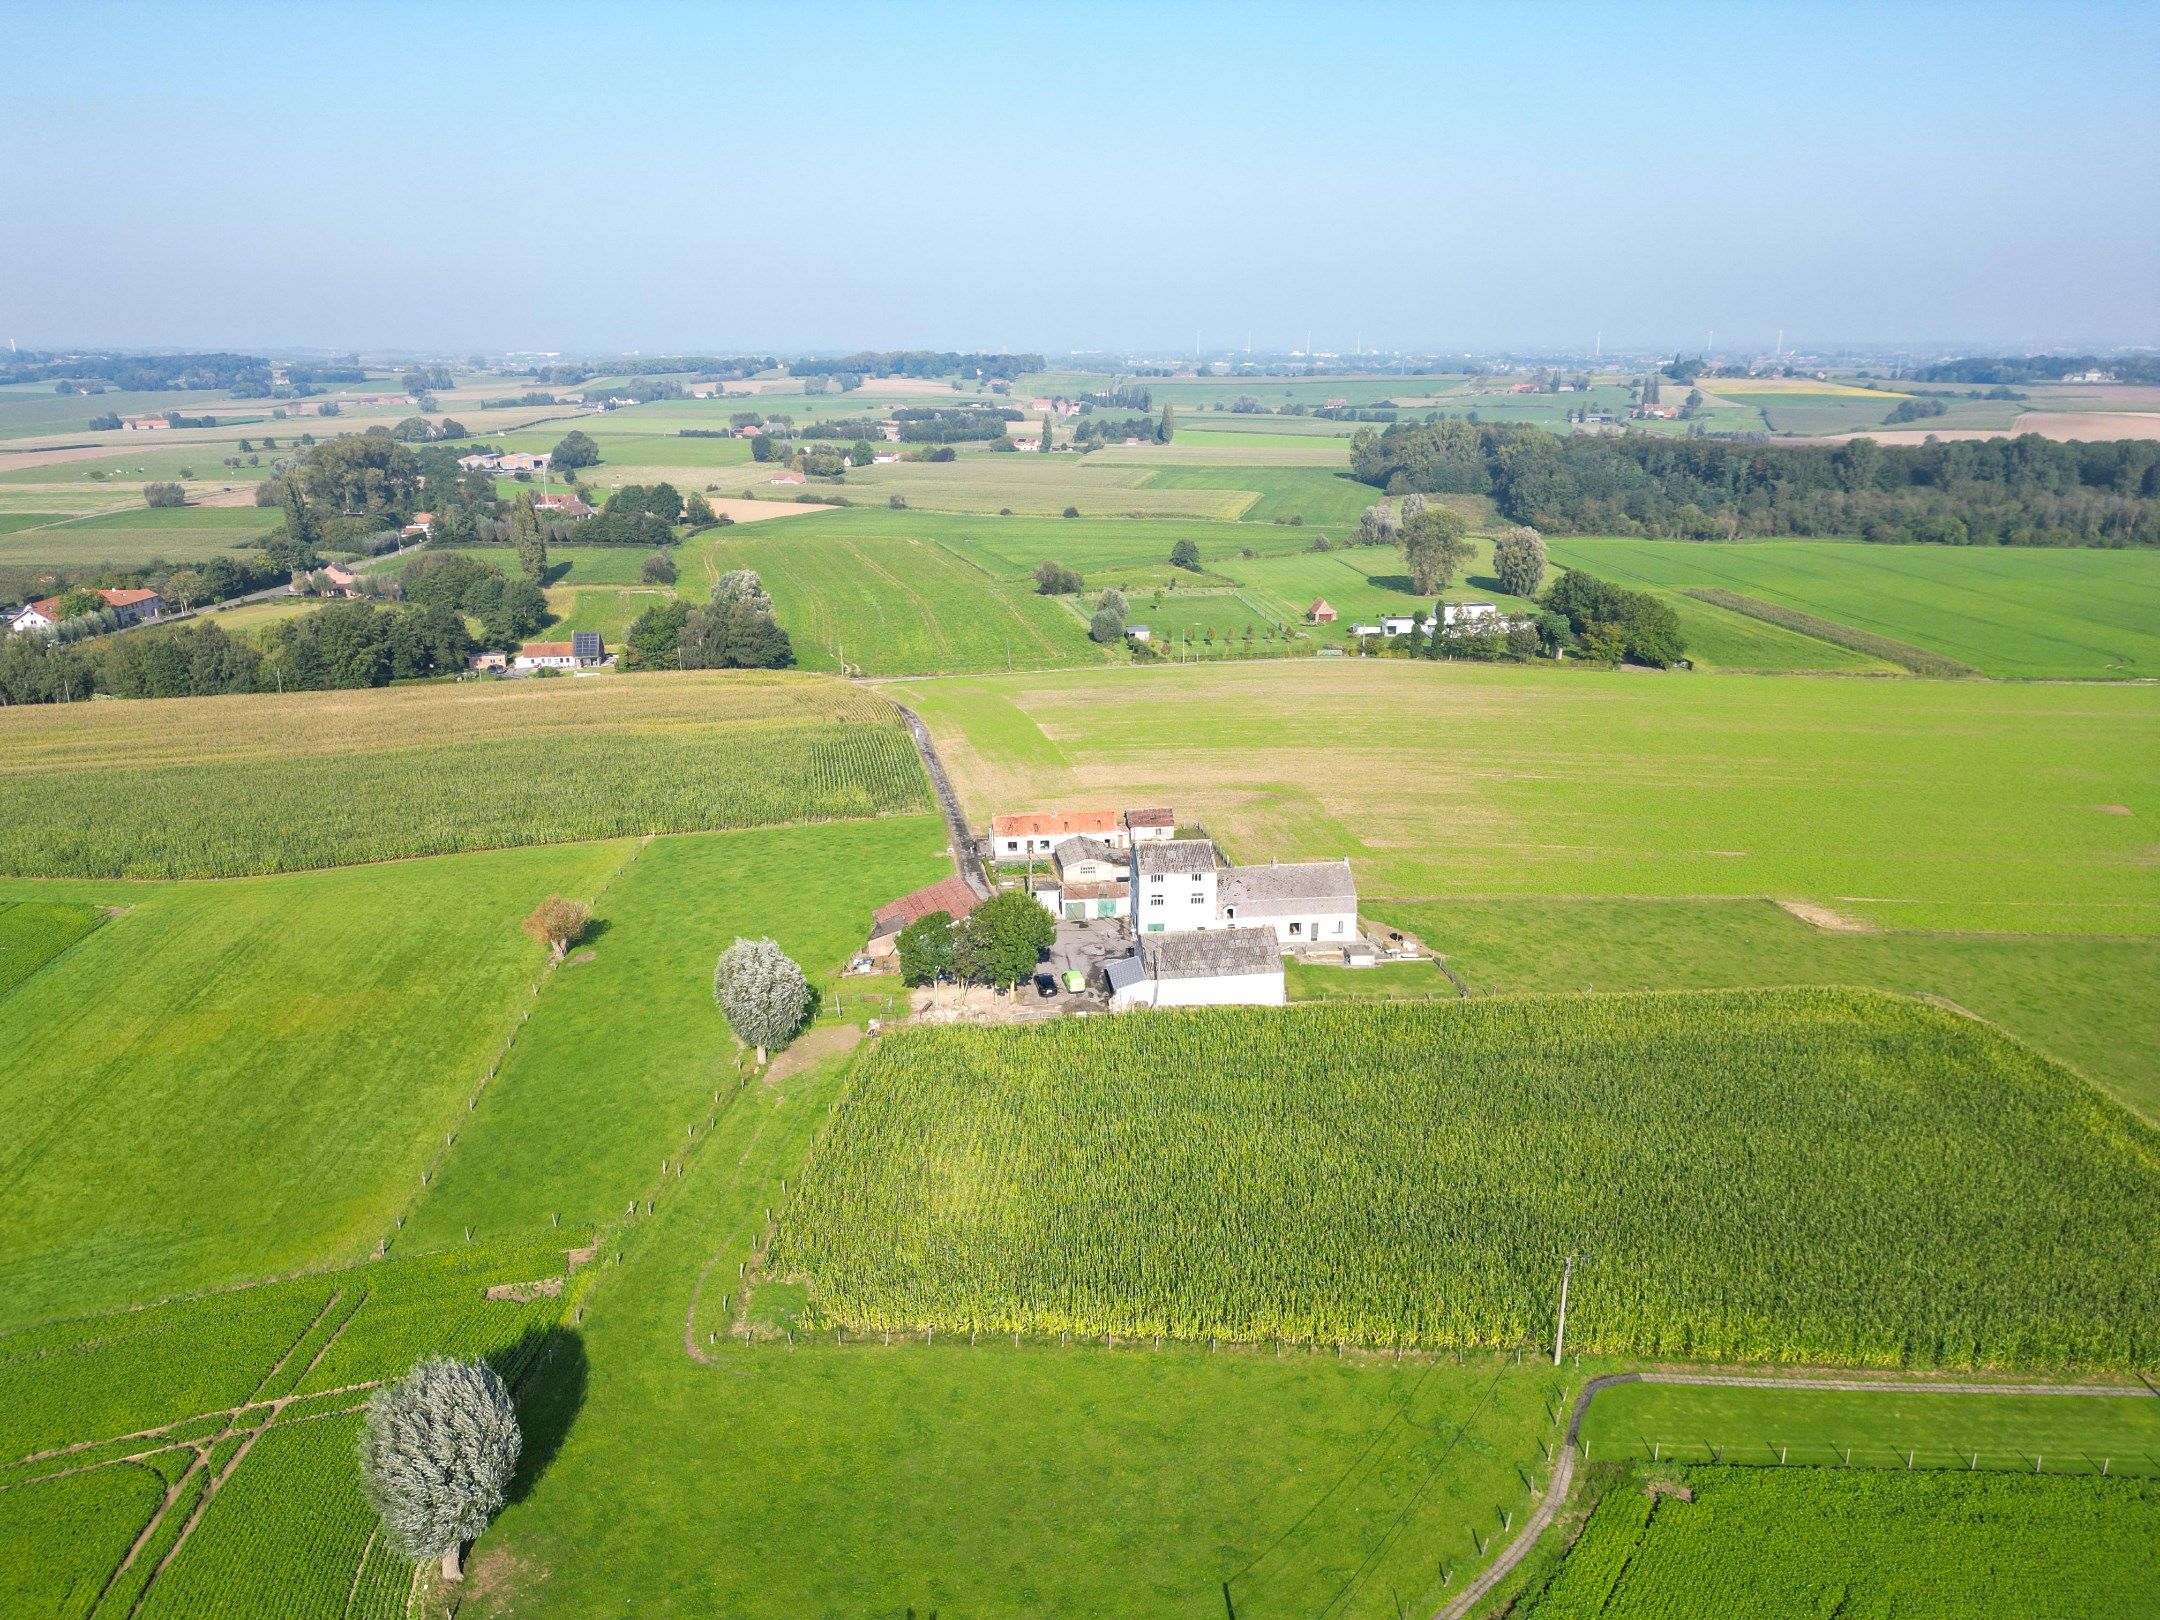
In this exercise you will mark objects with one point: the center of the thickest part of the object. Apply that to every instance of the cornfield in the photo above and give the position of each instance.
(1787, 1175)
(307, 809)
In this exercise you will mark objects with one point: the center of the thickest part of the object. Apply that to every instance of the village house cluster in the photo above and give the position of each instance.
(1161, 915)
(129, 606)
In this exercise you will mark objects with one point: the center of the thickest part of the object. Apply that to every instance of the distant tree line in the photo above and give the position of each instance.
(142, 373)
(2041, 368)
(922, 425)
(2022, 491)
(917, 363)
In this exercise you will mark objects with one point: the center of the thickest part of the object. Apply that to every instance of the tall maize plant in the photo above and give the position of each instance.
(1763, 1175)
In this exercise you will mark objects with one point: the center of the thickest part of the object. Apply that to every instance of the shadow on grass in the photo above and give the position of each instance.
(550, 1394)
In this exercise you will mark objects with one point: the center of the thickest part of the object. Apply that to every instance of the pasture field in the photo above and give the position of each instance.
(2081, 1001)
(200, 787)
(34, 410)
(605, 609)
(1204, 618)
(136, 535)
(2008, 611)
(34, 932)
(1125, 552)
(1780, 1542)
(1311, 495)
(267, 1067)
(626, 1049)
(567, 565)
(1911, 804)
(1900, 1428)
(979, 1479)
(1719, 639)
(1361, 583)
(1391, 1175)
(281, 1369)
(889, 605)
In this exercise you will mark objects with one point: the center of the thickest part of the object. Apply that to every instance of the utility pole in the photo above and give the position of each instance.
(1560, 1333)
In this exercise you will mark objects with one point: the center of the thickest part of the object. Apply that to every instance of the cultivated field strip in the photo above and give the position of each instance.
(705, 756)
(1773, 1176)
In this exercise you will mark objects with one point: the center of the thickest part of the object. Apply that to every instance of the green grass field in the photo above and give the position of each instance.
(627, 1049)
(1718, 639)
(2079, 1000)
(2086, 614)
(1391, 1175)
(36, 932)
(260, 1072)
(1780, 1542)
(1311, 495)
(888, 605)
(136, 535)
(1888, 1428)
(197, 787)
(981, 1479)
(1913, 804)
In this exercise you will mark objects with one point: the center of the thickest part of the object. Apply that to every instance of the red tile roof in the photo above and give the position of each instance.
(1053, 824)
(1151, 818)
(546, 649)
(949, 895)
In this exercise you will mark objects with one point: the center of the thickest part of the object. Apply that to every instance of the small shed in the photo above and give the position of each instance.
(1320, 612)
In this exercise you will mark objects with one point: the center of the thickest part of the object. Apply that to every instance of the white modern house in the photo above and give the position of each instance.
(1230, 967)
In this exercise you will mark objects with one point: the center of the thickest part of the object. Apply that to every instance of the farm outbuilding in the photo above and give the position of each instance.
(1231, 967)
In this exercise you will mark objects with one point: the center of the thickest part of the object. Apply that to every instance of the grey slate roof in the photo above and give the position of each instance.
(1215, 954)
(1291, 889)
(1176, 855)
(1087, 849)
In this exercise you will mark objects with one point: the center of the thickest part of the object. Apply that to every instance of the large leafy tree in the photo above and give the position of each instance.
(1433, 546)
(926, 949)
(526, 538)
(436, 1455)
(1519, 561)
(762, 993)
(1005, 937)
(577, 449)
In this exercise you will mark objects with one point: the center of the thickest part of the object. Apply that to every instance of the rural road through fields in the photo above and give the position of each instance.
(1563, 1475)
(965, 860)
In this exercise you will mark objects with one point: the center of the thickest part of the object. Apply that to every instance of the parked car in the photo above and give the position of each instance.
(1046, 984)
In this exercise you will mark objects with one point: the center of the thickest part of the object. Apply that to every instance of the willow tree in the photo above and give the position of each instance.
(762, 993)
(436, 1454)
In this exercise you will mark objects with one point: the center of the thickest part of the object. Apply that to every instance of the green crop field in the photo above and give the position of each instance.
(1913, 804)
(1310, 495)
(1394, 1175)
(895, 605)
(981, 1479)
(1781, 1542)
(104, 1413)
(274, 1064)
(2006, 611)
(609, 611)
(1719, 639)
(208, 787)
(2080, 1000)
(35, 932)
(1903, 1428)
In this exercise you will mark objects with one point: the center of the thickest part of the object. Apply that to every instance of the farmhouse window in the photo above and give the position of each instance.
(1154, 899)
(1296, 929)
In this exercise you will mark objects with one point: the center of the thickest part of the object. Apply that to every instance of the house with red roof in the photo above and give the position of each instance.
(954, 896)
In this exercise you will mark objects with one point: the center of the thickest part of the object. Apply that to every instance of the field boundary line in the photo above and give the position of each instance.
(1563, 1474)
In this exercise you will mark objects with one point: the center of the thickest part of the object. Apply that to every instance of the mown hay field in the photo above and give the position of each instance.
(1749, 1542)
(216, 787)
(136, 535)
(1909, 803)
(1781, 1175)
(2006, 611)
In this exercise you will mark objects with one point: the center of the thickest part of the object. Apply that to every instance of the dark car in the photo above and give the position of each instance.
(1046, 984)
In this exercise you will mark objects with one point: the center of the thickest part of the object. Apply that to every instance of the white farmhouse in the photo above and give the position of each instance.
(1173, 885)
(1302, 902)
(1230, 967)
(1090, 881)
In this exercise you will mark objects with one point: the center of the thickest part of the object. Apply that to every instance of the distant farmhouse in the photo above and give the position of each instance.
(583, 650)
(131, 607)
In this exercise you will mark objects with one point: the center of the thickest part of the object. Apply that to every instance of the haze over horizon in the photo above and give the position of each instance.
(969, 177)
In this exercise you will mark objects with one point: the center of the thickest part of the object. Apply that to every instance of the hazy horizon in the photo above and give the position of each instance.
(1123, 180)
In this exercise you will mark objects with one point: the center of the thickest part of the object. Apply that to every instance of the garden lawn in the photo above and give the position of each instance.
(626, 1048)
(2008, 611)
(256, 1072)
(1910, 803)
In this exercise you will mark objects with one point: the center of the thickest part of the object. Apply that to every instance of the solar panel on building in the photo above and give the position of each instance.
(585, 644)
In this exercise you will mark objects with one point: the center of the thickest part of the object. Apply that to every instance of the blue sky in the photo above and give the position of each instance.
(672, 177)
